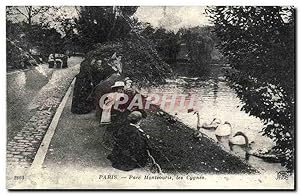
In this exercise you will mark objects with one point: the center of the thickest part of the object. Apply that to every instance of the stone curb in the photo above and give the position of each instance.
(42, 151)
(22, 149)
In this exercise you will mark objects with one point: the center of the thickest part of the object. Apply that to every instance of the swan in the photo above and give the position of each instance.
(265, 155)
(208, 126)
(246, 146)
(222, 133)
(213, 125)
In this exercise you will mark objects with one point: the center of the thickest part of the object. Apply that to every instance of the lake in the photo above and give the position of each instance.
(215, 99)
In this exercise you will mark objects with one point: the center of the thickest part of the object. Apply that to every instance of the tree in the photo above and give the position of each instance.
(259, 43)
(25, 13)
(199, 44)
(48, 40)
(29, 30)
(98, 24)
(167, 42)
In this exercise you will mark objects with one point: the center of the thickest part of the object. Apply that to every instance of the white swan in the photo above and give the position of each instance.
(208, 126)
(264, 154)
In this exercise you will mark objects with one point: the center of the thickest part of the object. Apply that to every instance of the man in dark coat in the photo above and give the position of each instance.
(130, 149)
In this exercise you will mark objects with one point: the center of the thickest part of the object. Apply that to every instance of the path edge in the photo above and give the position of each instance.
(43, 148)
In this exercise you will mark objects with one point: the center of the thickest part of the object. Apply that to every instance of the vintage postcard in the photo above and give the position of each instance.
(150, 97)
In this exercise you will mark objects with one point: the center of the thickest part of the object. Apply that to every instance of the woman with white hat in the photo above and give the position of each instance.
(111, 116)
(110, 99)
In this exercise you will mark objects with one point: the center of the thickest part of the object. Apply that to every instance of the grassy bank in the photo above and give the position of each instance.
(183, 153)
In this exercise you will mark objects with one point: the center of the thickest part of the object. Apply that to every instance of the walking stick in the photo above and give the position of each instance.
(154, 162)
(156, 148)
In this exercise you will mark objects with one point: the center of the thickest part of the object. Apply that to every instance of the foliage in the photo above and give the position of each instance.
(259, 43)
(167, 42)
(26, 12)
(45, 40)
(17, 48)
(97, 24)
(140, 61)
(30, 32)
(199, 44)
(106, 30)
(14, 56)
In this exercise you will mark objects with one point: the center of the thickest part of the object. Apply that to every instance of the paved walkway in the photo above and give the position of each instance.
(27, 90)
(75, 157)
(77, 142)
(30, 113)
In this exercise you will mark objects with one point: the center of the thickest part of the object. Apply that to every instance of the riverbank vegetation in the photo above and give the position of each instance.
(117, 33)
(259, 43)
(189, 51)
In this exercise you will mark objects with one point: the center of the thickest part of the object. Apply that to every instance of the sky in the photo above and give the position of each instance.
(169, 17)
(173, 17)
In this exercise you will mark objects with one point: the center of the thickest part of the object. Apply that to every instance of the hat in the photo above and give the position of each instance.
(127, 79)
(134, 116)
(118, 84)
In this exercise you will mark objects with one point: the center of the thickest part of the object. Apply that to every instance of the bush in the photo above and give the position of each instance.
(18, 58)
(140, 60)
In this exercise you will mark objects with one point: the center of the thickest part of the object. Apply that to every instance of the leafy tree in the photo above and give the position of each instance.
(148, 30)
(199, 44)
(27, 30)
(25, 13)
(259, 44)
(97, 24)
(47, 40)
(167, 43)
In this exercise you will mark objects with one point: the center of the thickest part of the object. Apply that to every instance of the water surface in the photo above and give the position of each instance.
(215, 99)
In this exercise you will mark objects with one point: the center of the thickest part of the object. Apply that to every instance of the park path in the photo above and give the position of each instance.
(74, 157)
(32, 99)
(26, 91)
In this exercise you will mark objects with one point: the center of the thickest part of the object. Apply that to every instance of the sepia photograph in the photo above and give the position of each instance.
(150, 97)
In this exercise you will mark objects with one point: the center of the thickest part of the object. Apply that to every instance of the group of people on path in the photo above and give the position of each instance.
(123, 135)
(101, 86)
(129, 145)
